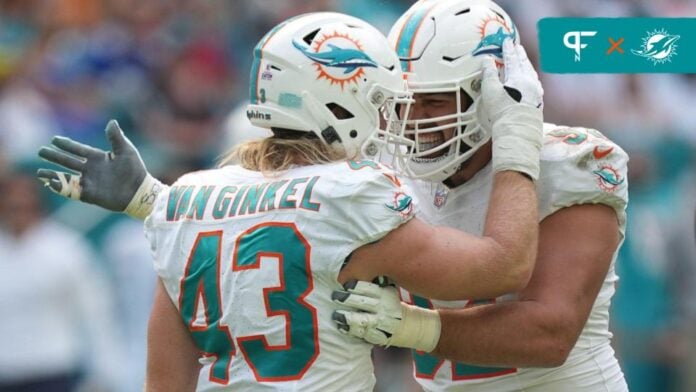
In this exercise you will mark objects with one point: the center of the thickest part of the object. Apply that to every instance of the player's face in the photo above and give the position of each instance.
(431, 106)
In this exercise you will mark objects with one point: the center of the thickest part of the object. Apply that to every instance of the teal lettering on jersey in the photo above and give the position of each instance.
(184, 202)
(286, 201)
(268, 201)
(173, 201)
(238, 199)
(223, 201)
(252, 199)
(201, 279)
(200, 202)
(306, 203)
(289, 361)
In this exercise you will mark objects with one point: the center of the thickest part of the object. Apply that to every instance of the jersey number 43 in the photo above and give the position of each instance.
(283, 243)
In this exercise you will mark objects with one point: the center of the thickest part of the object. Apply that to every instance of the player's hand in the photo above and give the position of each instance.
(514, 107)
(109, 179)
(377, 315)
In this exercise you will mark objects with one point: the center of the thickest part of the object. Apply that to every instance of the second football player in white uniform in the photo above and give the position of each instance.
(571, 174)
(553, 335)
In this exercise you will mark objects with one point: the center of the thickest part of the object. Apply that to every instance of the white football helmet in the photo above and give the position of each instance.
(441, 45)
(329, 74)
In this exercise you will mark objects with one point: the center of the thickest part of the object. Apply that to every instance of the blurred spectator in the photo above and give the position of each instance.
(58, 325)
(25, 113)
(130, 262)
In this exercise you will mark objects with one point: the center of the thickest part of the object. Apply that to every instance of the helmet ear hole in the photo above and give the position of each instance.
(339, 111)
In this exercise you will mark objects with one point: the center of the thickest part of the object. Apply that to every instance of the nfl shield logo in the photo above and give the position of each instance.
(440, 196)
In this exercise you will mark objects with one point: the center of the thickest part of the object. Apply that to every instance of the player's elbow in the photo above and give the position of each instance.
(515, 271)
(558, 341)
(554, 354)
(520, 274)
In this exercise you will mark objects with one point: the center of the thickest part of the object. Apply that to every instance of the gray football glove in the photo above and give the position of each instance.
(116, 180)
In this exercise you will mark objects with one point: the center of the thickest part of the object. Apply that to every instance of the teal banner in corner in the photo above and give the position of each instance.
(617, 45)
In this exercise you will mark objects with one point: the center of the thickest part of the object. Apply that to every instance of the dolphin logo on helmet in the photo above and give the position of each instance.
(349, 59)
(493, 43)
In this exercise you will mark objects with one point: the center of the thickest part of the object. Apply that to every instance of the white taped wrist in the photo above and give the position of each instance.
(419, 329)
(144, 199)
(517, 141)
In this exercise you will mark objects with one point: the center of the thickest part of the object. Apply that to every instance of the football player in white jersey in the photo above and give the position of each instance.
(553, 335)
(248, 254)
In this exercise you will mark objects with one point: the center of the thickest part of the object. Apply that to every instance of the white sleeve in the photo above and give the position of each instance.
(582, 166)
(367, 204)
(153, 226)
(379, 206)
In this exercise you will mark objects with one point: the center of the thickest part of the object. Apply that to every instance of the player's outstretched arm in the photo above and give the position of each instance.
(116, 180)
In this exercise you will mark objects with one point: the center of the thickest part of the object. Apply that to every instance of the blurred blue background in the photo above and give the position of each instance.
(76, 282)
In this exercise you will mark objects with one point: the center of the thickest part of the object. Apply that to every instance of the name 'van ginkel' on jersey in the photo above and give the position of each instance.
(191, 202)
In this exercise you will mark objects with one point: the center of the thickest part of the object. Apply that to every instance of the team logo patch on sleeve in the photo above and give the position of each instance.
(608, 178)
(569, 136)
(402, 203)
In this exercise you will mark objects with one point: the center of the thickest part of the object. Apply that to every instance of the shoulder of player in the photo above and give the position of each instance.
(196, 177)
(578, 144)
(357, 172)
(580, 165)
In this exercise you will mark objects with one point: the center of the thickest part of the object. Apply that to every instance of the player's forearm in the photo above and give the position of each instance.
(514, 334)
(512, 223)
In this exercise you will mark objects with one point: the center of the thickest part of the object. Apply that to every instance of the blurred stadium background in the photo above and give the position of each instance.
(76, 282)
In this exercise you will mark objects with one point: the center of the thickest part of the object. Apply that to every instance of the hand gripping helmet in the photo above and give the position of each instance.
(441, 45)
(328, 74)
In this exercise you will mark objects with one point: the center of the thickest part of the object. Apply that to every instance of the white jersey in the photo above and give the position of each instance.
(251, 262)
(578, 166)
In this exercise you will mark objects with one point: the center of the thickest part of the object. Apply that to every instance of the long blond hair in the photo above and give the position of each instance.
(273, 154)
